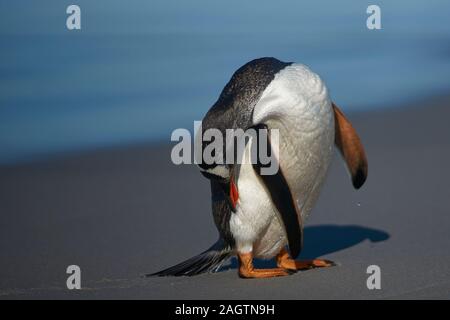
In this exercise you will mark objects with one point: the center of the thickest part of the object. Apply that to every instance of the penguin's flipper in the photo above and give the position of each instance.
(283, 200)
(351, 148)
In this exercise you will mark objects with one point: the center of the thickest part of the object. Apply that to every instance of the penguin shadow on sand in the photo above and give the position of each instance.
(321, 240)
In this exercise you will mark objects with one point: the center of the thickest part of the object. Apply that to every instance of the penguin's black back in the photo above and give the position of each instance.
(235, 105)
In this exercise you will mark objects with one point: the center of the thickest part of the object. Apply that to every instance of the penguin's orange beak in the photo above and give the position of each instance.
(234, 194)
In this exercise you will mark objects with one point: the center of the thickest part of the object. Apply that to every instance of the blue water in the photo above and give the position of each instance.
(139, 69)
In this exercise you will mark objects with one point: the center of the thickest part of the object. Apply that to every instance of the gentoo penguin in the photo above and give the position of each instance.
(262, 216)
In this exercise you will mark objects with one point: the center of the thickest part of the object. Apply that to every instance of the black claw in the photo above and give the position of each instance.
(290, 271)
(333, 264)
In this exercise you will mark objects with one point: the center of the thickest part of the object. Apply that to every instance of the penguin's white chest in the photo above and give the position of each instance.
(295, 103)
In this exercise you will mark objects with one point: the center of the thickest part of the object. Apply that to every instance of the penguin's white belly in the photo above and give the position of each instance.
(257, 225)
(303, 114)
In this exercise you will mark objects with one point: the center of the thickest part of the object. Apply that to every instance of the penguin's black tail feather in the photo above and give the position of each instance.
(208, 261)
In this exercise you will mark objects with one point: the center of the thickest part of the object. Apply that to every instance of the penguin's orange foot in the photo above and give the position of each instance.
(286, 262)
(246, 269)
